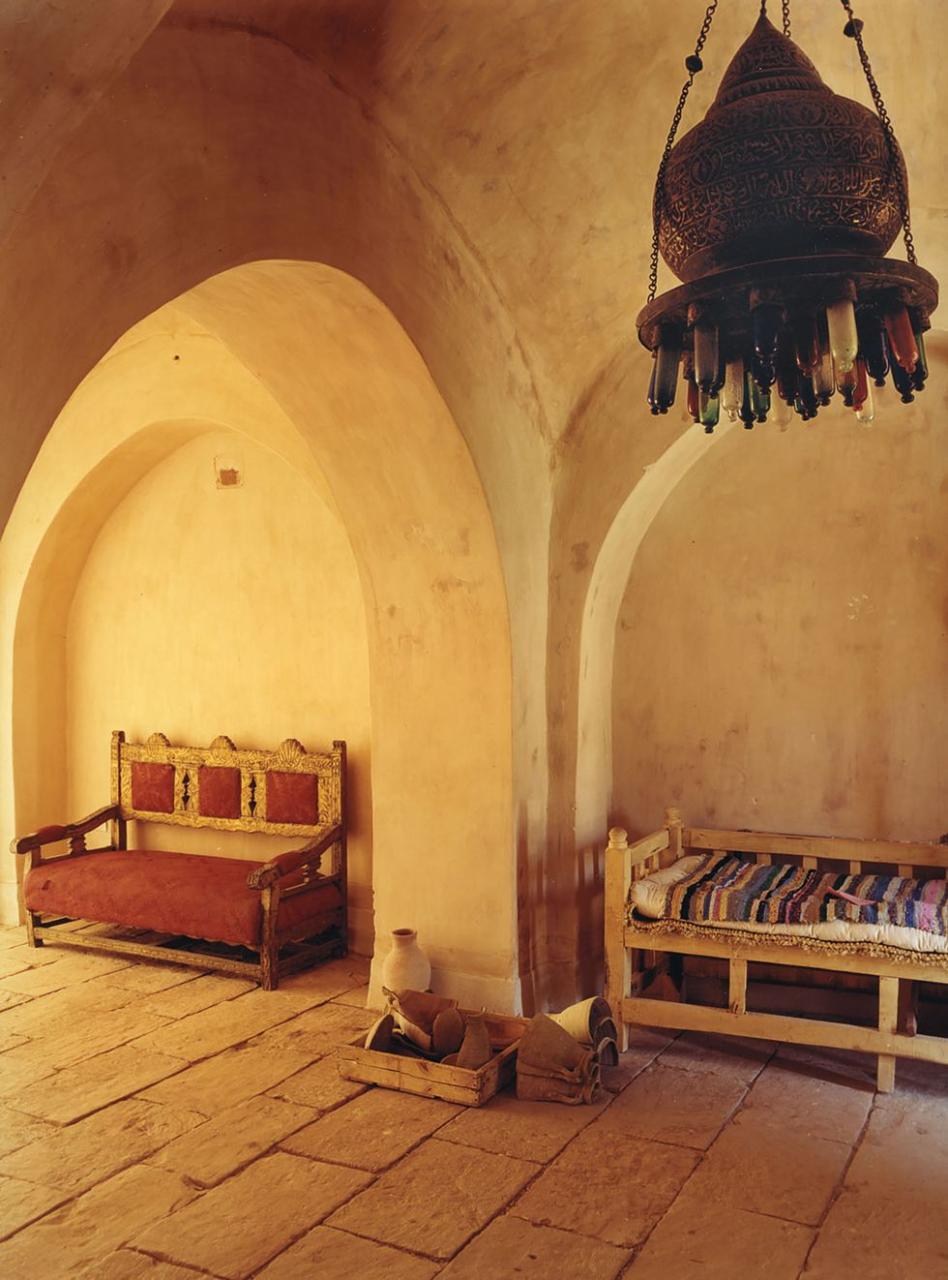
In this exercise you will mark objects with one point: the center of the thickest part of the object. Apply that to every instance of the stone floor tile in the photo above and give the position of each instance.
(78, 1091)
(126, 1264)
(232, 1139)
(695, 1239)
(220, 1082)
(736, 1056)
(78, 1156)
(72, 1239)
(145, 977)
(317, 1031)
(335, 1255)
(10, 1040)
(436, 1199)
(328, 981)
(319, 1086)
(72, 967)
(667, 1104)
(839, 1066)
(916, 1079)
(57, 1013)
(10, 999)
(790, 1095)
(12, 961)
(23, 1202)
(202, 1034)
(18, 1129)
(891, 1206)
(358, 997)
(525, 1130)
(644, 1047)
(604, 1186)
(372, 1131)
(510, 1248)
(14, 936)
(21, 1067)
(193, 997)
(90, 1036)
(769, 1167)
(33, 956)
(244, 1222)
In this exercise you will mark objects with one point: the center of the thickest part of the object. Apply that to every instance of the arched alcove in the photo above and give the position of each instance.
(307, 363)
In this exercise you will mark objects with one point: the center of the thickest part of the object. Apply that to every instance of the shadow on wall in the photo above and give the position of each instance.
(329, 395)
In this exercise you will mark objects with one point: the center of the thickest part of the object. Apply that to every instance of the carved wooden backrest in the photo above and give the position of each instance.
(289, 791)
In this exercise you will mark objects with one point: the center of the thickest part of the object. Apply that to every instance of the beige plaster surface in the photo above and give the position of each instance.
(805, 1172)
(484, 170)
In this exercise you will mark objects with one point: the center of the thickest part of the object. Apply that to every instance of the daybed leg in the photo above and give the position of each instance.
(888, 1022)
(908, 1007)
(618, 957)
(32, 920)
(737, 986)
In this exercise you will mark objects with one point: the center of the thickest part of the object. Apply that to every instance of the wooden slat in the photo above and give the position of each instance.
(737, 986)
(367, 1073)
(888, 1024)
(797, 957)
(122, 946)
(618, 873)
(648, 845)
(809, 864)
(908, 854)
(906, 871)
(855, 868)
(771, 1026)
(764, 860)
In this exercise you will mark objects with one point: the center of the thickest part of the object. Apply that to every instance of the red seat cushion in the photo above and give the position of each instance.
(168, 892)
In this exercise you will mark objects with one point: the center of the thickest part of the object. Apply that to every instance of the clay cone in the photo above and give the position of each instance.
(546, 1045)
(580, 1019)
(447, 1033)
(475, 1049)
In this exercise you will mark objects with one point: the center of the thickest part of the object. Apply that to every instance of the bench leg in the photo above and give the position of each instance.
(32, 920)
(888, 1022)
(269, 950)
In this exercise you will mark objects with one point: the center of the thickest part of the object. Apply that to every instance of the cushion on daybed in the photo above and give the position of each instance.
(169, 892)
(732, 890)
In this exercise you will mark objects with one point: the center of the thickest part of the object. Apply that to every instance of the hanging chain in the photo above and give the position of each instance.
(853, 28)
(786, 18)
(694, 65)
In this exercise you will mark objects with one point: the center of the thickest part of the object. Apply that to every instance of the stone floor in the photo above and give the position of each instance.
(160, 1123)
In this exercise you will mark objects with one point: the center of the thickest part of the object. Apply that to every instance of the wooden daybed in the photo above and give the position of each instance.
(637, 947)
(268, 917)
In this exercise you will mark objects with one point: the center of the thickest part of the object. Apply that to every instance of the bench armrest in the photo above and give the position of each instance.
(294, 859)
(53, 834)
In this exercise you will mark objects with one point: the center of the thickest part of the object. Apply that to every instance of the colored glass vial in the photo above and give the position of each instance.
(904, 382)
(652, 400)
(867, 411)
(823, 380)
(709, 410)
(872, 345)
(846, 385)
(920, 376)
(786, 366)
(898, 328)
(732, 393)
(806, 341)
(766, 325)
(807, 393)
(666, 370)
(844, 340)
(693, 399)
(760, 400)
(861, 389)
(747, 415)
(707, 362)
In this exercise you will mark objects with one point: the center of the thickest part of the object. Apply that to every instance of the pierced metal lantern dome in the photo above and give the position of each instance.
(775, 211)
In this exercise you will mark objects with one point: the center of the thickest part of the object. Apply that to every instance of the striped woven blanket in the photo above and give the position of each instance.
(732, 887)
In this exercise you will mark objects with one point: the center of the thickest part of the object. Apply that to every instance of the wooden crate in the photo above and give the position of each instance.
(435, 1079)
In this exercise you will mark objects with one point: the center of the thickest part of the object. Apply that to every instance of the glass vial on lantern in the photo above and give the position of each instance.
(872, 344)
(862, 394)
(766, 316)
(904, 382)
(806, 341)
(732, 393)
(707, 358)
(709, 411)
(920, 376)
(841, 322)
(823, 382)
(898, 328)
(667, 357)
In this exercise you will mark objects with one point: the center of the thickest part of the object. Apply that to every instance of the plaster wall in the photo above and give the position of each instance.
(239, 612)
(781, 659)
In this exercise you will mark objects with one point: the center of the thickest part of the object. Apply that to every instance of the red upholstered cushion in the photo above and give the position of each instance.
(153, 787)
(169, 892)
(292, 797)
(219, 792)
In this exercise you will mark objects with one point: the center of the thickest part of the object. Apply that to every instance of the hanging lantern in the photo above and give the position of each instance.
(775, 212)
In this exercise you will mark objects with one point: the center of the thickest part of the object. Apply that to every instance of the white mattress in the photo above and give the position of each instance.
(648, 898)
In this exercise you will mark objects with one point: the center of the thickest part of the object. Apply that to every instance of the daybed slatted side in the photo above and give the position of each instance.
(628, 947)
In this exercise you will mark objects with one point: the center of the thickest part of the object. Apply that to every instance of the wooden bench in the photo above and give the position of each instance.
(637, 949)
(268, 917)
